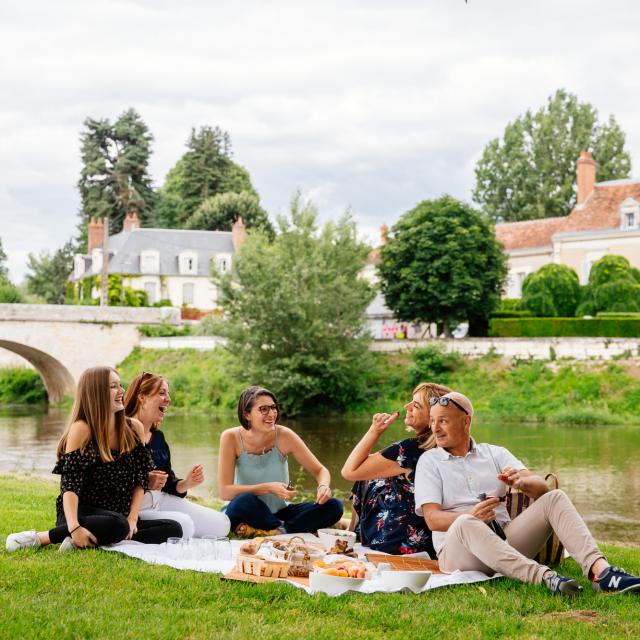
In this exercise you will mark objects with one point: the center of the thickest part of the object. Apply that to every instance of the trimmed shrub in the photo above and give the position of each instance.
(553, 290)
(564, 327)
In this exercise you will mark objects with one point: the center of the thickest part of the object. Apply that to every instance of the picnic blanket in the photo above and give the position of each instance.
(156, 554)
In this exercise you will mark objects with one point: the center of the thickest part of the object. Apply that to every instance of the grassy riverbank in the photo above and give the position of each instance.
(98, 594)
(582, 393)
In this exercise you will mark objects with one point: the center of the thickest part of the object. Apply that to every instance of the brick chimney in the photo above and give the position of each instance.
(586, 175)
(96, 233)
(238, 233)
(131, 221)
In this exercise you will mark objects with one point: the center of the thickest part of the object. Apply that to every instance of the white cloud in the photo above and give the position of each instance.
(372, 105)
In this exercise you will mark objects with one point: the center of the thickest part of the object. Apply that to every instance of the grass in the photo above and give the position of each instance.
(99, 594)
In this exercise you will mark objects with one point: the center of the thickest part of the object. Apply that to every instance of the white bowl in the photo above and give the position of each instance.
(333, 585)
(328, 537)
(414, 580)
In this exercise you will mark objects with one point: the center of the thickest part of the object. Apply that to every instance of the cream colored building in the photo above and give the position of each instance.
(169, 264)
(606, 220)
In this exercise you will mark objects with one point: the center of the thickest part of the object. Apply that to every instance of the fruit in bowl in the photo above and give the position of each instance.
(330, 537)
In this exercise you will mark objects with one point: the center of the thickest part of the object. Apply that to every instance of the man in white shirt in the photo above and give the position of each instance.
(459, 489)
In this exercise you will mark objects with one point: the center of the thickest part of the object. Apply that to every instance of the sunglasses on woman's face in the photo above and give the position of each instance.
(445, 402)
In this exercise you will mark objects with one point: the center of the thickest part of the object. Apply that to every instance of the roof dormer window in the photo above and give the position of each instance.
(630, 214)
(150, 261)
(188, 263)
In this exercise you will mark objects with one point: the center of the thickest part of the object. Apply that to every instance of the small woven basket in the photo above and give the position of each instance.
(300, 555)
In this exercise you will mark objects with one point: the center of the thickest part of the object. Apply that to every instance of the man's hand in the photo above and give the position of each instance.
(485, 510)
(157, 480)
(512, 478)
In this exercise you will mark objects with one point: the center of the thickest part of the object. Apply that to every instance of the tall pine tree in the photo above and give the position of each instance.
(114, 178)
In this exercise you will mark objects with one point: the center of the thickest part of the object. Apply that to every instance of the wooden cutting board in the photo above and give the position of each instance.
(247, 577)
(404, 563)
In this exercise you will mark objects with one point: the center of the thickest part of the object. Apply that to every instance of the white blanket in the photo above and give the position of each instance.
(156, 554)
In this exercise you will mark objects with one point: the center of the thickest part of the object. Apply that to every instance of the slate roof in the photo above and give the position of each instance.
(125, 249)
(599, 212)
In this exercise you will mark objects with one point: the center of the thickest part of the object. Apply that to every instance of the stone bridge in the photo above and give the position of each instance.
(61, 341)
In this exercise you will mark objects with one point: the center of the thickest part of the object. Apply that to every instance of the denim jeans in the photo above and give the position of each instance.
(295, 518)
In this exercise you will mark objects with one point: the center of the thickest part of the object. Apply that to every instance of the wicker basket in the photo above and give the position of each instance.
(300, 555)
(259, 566)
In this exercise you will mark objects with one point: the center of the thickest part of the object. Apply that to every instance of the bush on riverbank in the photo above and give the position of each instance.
(519, 390)
(19, 385)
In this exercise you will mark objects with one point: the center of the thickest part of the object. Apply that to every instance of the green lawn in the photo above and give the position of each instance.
(97, 594)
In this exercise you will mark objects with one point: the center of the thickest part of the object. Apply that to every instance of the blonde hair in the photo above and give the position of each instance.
(426, 439)
(146, 384)
(93, 406)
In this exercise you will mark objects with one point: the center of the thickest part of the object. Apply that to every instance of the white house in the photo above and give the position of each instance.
(171, 264)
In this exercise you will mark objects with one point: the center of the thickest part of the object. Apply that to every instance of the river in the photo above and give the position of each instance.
(597, 467)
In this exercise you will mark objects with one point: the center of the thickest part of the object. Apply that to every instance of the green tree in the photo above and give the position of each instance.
(553, 290)
(530, 173)
(114, 178)
(206, 169)
(442, 263)
(219, 212)
(295, 311)
(614, 285)
(4, 271)
(49, 273)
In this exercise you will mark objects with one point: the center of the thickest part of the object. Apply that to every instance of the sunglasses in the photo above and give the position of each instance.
(445, 402)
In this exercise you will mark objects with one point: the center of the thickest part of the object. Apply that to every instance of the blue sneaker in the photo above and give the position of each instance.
(616, 580)
(562, 585)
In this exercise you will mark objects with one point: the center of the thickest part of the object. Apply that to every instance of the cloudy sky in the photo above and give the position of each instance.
(365, 104)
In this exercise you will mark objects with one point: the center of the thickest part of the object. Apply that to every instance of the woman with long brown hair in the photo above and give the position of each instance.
(383, 497)
(146, 400)
(103, 467)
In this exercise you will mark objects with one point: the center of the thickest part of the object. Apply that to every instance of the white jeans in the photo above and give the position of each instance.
(196, 520)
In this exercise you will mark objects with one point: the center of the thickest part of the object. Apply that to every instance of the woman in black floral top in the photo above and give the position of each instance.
(383, 497)
(103, 467)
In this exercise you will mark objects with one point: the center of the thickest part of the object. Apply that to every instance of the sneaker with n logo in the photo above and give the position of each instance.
(616, 580)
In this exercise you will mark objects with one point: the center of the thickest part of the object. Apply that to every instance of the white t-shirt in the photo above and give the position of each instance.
(456, 482)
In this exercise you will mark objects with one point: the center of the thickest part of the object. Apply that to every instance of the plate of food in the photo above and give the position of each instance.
(331, 537)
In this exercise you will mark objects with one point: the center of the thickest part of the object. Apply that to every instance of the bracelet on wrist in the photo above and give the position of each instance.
(324, 485)
(74, 529)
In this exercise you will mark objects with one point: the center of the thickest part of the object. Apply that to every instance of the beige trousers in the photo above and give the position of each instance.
(471, 546)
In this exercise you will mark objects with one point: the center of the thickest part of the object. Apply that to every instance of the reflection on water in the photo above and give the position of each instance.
(596, 466)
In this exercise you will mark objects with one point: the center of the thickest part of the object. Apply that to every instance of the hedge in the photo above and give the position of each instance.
(616, 327)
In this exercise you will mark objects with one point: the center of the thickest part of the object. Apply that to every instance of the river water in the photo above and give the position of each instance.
(597, 467)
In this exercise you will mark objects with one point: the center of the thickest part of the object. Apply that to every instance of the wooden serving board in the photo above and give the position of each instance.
(404, 563)
(247, 577)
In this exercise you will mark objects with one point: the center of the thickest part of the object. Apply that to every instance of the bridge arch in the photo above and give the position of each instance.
(57, 379)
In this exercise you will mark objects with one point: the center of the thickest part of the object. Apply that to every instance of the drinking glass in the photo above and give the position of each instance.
(223, 549)
(174, 547)
(209, 547)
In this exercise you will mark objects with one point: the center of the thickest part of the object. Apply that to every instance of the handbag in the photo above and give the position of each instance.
(552, 552)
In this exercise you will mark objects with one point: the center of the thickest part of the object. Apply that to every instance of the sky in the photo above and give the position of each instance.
(367, 105)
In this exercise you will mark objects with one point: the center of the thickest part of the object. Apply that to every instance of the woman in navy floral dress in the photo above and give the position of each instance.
(383, 493)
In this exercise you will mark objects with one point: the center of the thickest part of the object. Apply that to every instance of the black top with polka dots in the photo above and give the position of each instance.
(106, 485)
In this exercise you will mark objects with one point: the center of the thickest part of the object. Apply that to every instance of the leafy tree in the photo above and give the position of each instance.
(219, 212)
(295, 311)
(4, 272)
(169, 213)
(114, 178)
(614, 285)
(442, 263)
(8, 291)
(206, 169)
(530, 173)
(553, 290)
(50, 273)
